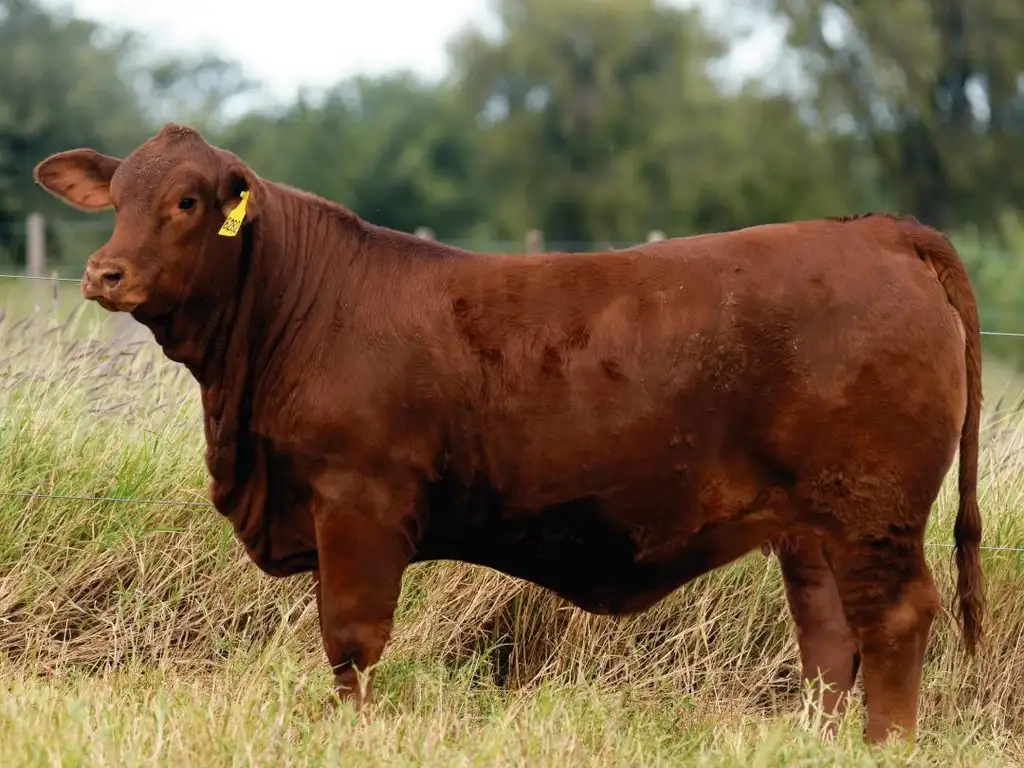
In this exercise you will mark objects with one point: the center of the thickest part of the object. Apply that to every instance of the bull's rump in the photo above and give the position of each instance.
(708, 381)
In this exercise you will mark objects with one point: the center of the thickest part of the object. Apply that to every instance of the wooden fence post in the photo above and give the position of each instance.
(35, 256)
(35, 245)
(534, 242)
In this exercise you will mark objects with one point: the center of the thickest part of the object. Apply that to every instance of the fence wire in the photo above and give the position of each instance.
(102, 499)
(183, 503)
(41, 277)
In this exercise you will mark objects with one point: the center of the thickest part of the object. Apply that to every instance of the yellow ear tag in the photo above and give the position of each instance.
(234, 220)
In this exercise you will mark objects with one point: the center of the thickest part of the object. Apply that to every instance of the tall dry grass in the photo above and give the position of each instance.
(122, 611)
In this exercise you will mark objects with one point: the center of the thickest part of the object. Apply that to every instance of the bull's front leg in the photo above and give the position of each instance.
(363, 550)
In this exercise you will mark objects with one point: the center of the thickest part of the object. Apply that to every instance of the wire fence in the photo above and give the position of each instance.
(207, 504)
(103, 499)
(41, 277)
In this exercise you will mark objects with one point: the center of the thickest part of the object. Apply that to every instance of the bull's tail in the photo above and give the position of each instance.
(937, 250)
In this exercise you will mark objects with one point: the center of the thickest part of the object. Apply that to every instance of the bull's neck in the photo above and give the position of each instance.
(300, 258)
(296, 250)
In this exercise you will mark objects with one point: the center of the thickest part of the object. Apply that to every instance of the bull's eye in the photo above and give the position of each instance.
(186, 203)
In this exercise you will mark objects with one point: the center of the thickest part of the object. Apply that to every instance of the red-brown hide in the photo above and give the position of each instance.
(607, 425)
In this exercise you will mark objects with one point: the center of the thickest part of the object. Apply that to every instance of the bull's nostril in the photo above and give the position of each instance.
(111, 278)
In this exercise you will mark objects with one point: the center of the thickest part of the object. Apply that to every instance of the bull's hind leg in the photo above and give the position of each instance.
(828, 650)
(890, 601)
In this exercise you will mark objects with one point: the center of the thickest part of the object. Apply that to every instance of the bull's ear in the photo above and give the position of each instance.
(235, 178)
(79, 177)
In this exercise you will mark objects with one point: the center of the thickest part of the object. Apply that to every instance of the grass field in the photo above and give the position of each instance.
(139, 634)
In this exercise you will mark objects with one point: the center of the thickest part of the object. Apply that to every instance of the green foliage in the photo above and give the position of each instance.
(932, 89)
(993, 260)
(594, 121)
(60, 87)
(195, 90)
(392, 148)
(600, 121)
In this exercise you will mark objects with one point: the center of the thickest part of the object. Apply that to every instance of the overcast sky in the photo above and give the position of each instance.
(316, 43)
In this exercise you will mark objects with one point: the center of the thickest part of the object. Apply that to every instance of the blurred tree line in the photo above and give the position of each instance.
(592, 120)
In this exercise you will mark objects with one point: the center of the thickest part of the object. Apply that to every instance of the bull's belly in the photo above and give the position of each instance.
(604, 560)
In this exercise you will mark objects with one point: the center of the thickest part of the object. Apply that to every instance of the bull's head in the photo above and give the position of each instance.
(171, 196)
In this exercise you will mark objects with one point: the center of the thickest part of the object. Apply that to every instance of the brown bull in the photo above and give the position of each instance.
(606, 425)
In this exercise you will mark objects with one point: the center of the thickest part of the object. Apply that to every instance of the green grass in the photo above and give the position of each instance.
(29, 308)
(138, 634)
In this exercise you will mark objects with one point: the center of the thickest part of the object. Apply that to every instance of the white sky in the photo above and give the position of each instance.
(316, 43)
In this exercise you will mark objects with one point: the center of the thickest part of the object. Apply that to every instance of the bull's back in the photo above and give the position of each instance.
(591, 367)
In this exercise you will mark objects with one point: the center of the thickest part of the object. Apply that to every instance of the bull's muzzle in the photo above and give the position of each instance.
(98, 282)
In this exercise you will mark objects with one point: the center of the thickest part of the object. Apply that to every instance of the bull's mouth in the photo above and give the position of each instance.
(110, 290)
(115, 306)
